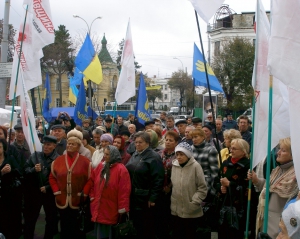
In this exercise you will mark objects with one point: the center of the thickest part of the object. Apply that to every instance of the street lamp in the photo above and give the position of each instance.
(180, 61)
(89, 27)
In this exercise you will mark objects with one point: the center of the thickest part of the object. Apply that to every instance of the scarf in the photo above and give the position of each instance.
(284, 184)
(167, 163)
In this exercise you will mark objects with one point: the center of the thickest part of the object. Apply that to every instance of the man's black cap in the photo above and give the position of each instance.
(181, 122)
(49, 139)
(58, 126)
(125, 132)
(207, 126)
(108, 119)
(149, 122)
(196, 120)
(18, 127)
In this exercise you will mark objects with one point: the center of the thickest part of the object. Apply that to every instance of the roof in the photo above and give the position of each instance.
(104, 55)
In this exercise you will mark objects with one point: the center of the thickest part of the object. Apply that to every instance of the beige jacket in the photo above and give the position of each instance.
(189, 189)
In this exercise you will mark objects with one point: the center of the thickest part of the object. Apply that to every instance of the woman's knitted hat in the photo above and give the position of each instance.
(107, 137)
(184, 148)
(291, 219)
(75, 133)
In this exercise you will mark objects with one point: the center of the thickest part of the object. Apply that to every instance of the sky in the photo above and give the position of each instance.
(161, 29)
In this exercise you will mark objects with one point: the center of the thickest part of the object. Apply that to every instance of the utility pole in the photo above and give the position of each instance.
(4, 52)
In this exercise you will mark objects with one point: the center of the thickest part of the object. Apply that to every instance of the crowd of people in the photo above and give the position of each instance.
(173, 180)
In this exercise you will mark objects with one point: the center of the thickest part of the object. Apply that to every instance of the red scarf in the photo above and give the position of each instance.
(234, 161)
(71, 158)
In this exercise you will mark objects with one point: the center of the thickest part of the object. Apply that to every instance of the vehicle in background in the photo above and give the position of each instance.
(154, 116)
(248, 113)
(16, 108)
(123, 110)
(174, 111)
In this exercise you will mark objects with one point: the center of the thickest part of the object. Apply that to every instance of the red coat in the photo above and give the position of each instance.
(107, 202)
(67, 182)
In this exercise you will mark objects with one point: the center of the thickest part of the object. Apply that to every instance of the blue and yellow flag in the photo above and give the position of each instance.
(47, 100)
(199, 72)
(142, 106)
(87, 61)
(75, 80)
(80, 111)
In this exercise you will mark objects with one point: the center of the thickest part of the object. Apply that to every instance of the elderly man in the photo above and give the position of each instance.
(96, 138)
(163, 118)
(38, 192)
(120, 126)
(170, 125)
(229, 123)
(188, 137)
(220, 131)
(181, 125)
(130, 120)
(108, 126)
(132, 131)
(58, 131)
(21, 144)
(149, 125)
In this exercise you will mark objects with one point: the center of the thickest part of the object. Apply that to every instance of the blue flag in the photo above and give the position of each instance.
(80, 112)
(142, 106)
(199, 72)
(76, 79)
(47, 100)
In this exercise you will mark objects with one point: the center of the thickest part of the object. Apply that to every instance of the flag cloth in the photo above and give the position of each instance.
(73, 92)
(47, 100)
(28, 120)
(260, 82)
(87, 61)
(284, 51)
(199, 72)
(126, 84)
(142, 106)
(80, 112)
(39, 32)
(206, 8)
(75, 80)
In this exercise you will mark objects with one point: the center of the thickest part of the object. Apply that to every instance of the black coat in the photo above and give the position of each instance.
(147, 176)
(34, 180)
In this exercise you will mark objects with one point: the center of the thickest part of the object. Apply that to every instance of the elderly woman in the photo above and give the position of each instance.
(154, 141)
(105, 140)
(147, 175)
(110, 192)
(188, 192)
(69, 174)
(229, 135)
(10, 219)
(283, 185)
(119, 143)
(86, 142)
(234, 186)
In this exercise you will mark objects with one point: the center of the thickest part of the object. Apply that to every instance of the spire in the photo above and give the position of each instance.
(104, 55)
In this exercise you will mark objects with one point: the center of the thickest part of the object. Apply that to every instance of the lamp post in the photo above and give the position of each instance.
(89, 27)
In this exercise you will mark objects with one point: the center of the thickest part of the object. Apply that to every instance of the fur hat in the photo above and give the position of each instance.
(75, 133)
(291, 219)
(184, 148)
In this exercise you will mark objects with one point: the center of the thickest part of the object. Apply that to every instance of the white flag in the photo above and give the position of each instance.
(38, 33)
(206, 8)
(284, 52)
(260, 82)
(28, 120)
(126, 84)
(294, 97)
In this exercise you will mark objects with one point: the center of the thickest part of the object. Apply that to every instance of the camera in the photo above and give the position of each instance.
(63, 116)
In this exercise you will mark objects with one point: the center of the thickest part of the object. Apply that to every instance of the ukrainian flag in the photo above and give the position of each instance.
(80, 111)
(47, 100)
(88, 63)
(199, 72)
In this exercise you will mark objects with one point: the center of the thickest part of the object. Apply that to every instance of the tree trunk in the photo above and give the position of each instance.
(33, 101)
(60, 90)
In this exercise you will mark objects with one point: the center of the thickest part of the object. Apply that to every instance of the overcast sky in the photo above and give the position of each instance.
(161, 29)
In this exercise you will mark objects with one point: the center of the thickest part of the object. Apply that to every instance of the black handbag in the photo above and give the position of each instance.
(84, 215)
(123, 229)
(228, 214)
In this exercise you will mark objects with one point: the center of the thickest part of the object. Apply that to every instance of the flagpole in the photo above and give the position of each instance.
(17, 76)
(209, 91)
(253, 126)
(266, 212)
(43, 122)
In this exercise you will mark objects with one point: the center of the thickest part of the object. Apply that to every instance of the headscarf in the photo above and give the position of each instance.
(122, 142)
(153, 138)
(115, 157)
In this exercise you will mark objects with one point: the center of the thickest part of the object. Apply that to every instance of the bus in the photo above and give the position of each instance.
(121, 110)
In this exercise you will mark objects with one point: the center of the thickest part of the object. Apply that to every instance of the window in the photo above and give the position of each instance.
(71, 104)
(57, 84)
(217, 48)
(166, 96)
(166, 87)
(57, 102)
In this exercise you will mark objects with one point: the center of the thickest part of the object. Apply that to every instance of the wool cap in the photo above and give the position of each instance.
(106, 137)
(102, 128)
(125, 132)
(49, 139)
(149, 122)
(207, 126)
(18, 127)
(58, 126)
(182, 121)
(196, 120)
(291, 219)
(108, 119)
(185, 148)
(75, 133)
